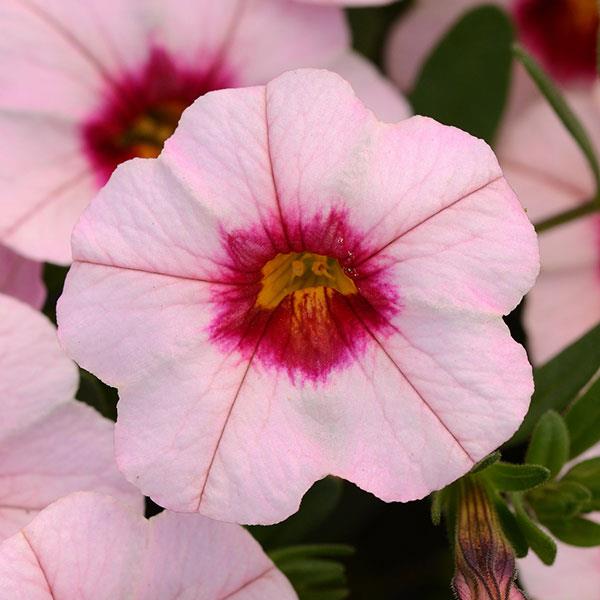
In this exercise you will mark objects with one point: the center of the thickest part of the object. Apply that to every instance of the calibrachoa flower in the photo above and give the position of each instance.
(561, 33)
(87, 85)
(21, 278)
(89, 545)
(550, 175)
(295, 289)
(50, 445)
(485, 561)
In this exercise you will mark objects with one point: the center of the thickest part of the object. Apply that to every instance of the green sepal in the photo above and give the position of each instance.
(587, 473)
(549, 444)
(576, 532)
(583, 420)
(486, 462)
(558, 382)
(560, 500)
(508, 477)
(437, 507)
(539, 541)
(510, 526)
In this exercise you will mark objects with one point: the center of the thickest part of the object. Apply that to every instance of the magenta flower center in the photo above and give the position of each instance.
(140, 111)
(562, 33)
(307, 303)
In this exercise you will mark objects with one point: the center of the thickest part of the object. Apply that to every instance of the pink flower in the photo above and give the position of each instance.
(21, 278)
(87, 85)
(295, 289)
(550, 175)
(88, 545)
(50, 445)
(561, 33)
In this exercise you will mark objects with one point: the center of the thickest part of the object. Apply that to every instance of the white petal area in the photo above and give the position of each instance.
(460, 258)
(68, 552)
(40, 209)
(377, 92)
(191, 557)
(69, 450)
(37, 376)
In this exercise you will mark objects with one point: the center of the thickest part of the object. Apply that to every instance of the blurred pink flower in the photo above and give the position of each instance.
(50, 445)
(550, 175)
(21, 278)
(87, 85)
(560, 33)
(89, 545)
(295, 289)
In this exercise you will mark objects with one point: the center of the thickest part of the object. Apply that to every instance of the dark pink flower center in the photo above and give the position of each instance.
(307, 304)
(562, 33)
(142, 110)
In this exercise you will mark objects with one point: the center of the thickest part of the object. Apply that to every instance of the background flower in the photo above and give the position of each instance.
(21, 278)
(550, 175)
(88, 85)
(50, 445)
(412, 386)
(90, 545)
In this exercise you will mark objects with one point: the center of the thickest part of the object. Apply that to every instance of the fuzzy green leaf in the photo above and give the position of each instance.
(583, 420)
(560, 500)
(576, 532)
(508, 477)
(539, 541)
(587, 473)
(549, 444)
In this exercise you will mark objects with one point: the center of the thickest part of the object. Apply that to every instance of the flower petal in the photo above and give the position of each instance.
(21, 278)
(372, 87)
(90, 545)
(194, 557)
(69, 551)
(69, 450)
(36, 377)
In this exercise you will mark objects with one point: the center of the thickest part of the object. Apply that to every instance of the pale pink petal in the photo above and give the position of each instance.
(270, 37)
(378, 94)
(36, 375)
(83, 546)
(418, 32)
(575, 574)
(194, 558)
(46, 182)
(238, 438)
(69, 450)
(88, 545)
(550, 175)
(21, 278)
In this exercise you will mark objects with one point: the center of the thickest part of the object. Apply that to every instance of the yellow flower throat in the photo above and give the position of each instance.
(308, 277)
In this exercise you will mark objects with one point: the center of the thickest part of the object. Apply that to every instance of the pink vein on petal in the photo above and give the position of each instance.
(39, 563)
(249, 583)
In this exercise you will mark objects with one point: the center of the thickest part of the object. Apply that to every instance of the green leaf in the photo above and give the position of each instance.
(437, 507)
(549, 444)
(465, 80)
(314, 570)
(486, 462)
(510, 526)
(539, 541)
(508, 477)
(583, 420)
(561, 379)
(560, 500)
(576, 532)
(561, 108)
(318, 503)
(587, 473)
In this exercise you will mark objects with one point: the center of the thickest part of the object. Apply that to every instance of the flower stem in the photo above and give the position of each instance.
(583, 210)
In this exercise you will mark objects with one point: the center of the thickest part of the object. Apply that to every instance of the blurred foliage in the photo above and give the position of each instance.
(466, 78)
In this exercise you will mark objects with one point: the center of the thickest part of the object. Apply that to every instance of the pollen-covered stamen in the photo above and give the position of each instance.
(148, 133)
(308, 277)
